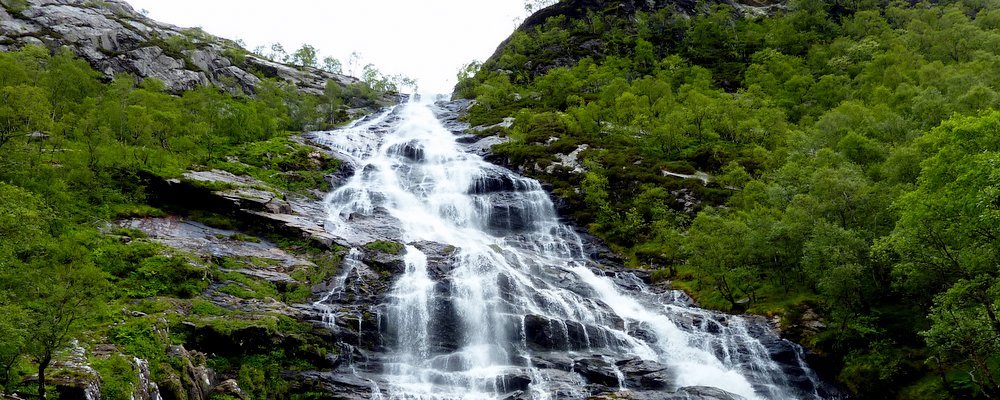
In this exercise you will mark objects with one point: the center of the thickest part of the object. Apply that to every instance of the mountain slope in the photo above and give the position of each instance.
(162, 226)
(779, 162)
(114, 39)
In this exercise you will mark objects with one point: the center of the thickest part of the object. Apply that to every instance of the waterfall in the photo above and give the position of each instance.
(499, 298)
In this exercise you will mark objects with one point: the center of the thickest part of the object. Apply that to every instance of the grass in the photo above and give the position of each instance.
(771, 299)
(118, 379)
(386, 247)
(245, 287)
(282, 163)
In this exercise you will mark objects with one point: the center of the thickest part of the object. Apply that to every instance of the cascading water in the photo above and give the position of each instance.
(499, 298)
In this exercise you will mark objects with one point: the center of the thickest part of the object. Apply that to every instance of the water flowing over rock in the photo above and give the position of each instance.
(491, 296)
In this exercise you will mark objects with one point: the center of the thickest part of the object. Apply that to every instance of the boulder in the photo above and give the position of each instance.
(194, 381)
(704, 393)
(72, 375)
(335, 386)
(229, 388)
(599, 371)
(146, 388)
(646, 375)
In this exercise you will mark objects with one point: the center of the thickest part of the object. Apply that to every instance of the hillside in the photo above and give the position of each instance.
(115, 39)
(824, 163)
(161, 216)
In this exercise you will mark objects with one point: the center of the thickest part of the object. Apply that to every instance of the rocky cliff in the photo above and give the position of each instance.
(115, 38)
(600, 41)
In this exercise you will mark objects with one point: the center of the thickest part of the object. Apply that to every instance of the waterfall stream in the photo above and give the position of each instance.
(499, 298)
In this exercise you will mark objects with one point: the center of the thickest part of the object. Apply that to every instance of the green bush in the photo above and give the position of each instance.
(118, 377)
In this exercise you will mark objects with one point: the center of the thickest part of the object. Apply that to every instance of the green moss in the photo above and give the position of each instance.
(245, 238)
(143, 337)
(385, 247)
(153, 305)
(118, 376)
(245, 287)
(215, 186)
(130, 233)
(214, 220)
(206, 308)
(283, 163)
(15, 6)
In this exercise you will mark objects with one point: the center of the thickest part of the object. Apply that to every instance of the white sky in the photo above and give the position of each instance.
(428, 40)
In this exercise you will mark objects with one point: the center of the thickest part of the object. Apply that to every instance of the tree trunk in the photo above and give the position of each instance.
(43, 364)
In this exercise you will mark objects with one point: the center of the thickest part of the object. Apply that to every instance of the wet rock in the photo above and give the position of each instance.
(440, 258)
(545, 334)
(642, 331)
(483, 147)
(704, 393)
(411, 150)
(339, 178)
(598, 371)
(553, 360)
(561, 384)
(513, 382)
(645, 374)
(383, 262)
(335, 386)
(492, 184)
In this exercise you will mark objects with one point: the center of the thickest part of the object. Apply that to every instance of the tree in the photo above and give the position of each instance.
(305, 56)
(946, 241)
(60, 301)
(949, 225)
(23, 109)
(332, 65)
(278, 53)
(718, 251)
(13, 338)
(49, 289)
(965, 329)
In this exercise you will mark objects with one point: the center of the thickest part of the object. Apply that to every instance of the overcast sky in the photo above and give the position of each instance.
(428, 40)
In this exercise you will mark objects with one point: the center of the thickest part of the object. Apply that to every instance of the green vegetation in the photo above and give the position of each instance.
(76, 152)
(282, 163)
(852, 149)
(385, 247)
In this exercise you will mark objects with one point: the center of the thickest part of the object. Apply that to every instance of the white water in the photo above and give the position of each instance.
(462, 334)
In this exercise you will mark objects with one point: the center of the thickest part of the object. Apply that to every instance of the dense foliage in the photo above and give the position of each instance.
(853, 155)
(77, 151)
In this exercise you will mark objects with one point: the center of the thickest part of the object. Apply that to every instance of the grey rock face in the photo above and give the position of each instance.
(114, 39)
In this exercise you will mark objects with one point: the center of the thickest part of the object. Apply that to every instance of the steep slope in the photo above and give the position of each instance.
(779, 160)
(158, 237)
(618, 19)
(115, 39)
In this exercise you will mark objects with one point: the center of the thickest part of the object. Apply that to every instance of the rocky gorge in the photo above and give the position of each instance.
(350, 279)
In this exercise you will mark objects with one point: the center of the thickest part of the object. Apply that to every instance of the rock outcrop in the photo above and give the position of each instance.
(568, 52)
(114, 38)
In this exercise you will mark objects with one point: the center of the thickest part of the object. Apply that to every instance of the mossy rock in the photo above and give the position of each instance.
(386, 247)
